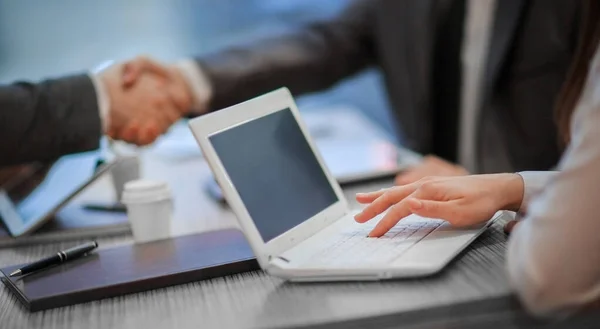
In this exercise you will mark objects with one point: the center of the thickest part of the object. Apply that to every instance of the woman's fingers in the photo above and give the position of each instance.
(414, 198)
(370, 196)
(383, 202)
(446, 210)
(456, 212)
(391, 218)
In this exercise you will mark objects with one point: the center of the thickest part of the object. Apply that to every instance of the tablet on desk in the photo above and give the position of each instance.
(50, 187)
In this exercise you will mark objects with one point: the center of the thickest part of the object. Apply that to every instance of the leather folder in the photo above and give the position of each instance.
(134, 268)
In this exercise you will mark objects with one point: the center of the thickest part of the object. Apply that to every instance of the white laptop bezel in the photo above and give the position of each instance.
(210, 124)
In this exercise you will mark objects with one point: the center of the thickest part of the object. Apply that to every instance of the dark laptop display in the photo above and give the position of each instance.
(272, 153)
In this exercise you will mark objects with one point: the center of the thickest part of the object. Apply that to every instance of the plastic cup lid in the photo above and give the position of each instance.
(142, 191)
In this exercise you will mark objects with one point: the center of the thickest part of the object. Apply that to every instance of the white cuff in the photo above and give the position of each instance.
(198, 83)
(103, 100)
(533, 183)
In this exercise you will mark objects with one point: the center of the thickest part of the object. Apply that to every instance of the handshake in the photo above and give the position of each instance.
(144, 99)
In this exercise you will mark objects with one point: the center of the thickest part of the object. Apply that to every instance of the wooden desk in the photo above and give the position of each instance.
(255, 300)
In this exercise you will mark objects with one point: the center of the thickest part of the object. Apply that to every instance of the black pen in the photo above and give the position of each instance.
(60, 257)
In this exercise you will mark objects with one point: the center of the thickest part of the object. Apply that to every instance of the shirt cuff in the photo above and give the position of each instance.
(198, 82)
(103, 100)
(533, 183)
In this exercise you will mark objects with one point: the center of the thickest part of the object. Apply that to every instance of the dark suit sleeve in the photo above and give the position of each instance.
(40, 122)
(306, 60)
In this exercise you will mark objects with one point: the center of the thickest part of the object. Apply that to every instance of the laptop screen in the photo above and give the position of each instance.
(275, 172)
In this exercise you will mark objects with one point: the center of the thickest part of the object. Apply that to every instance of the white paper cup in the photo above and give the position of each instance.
(127, 169)
(149, 209)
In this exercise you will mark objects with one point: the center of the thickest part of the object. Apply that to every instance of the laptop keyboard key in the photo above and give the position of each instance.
(353, 247)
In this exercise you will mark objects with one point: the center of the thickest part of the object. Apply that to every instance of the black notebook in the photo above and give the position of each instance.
(134, 268)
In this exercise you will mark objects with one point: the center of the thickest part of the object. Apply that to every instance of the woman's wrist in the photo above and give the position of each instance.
(511, 188)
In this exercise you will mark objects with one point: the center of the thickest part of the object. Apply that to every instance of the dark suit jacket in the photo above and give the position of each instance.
(41, 122)
(531, 47)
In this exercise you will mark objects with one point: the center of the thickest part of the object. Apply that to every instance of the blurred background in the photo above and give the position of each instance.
(41, 38)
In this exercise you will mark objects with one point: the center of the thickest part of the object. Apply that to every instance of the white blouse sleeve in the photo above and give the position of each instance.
(534, 183)
(554, 254)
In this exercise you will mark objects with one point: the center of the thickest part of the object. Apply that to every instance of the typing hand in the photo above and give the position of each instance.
(431, 166)
(462, 201)
(142, 110)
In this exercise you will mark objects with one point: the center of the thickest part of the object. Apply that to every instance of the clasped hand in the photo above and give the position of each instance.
(146, 98)
(462, 200)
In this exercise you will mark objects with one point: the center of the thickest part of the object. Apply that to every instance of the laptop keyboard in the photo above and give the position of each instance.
(353, 246)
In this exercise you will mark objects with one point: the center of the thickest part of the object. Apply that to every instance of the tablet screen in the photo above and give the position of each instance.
(26, 204)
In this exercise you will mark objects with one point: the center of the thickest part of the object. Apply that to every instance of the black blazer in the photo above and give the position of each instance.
(41, 122)
(531, 48)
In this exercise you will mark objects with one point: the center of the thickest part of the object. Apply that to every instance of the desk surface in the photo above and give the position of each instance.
(255, 300)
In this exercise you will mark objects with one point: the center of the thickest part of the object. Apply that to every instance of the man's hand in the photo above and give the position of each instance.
(142, 110)
(178, 87)
(431, 166)
(462, 201)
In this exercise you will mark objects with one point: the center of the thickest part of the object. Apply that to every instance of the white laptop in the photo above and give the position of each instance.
(292, 210)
